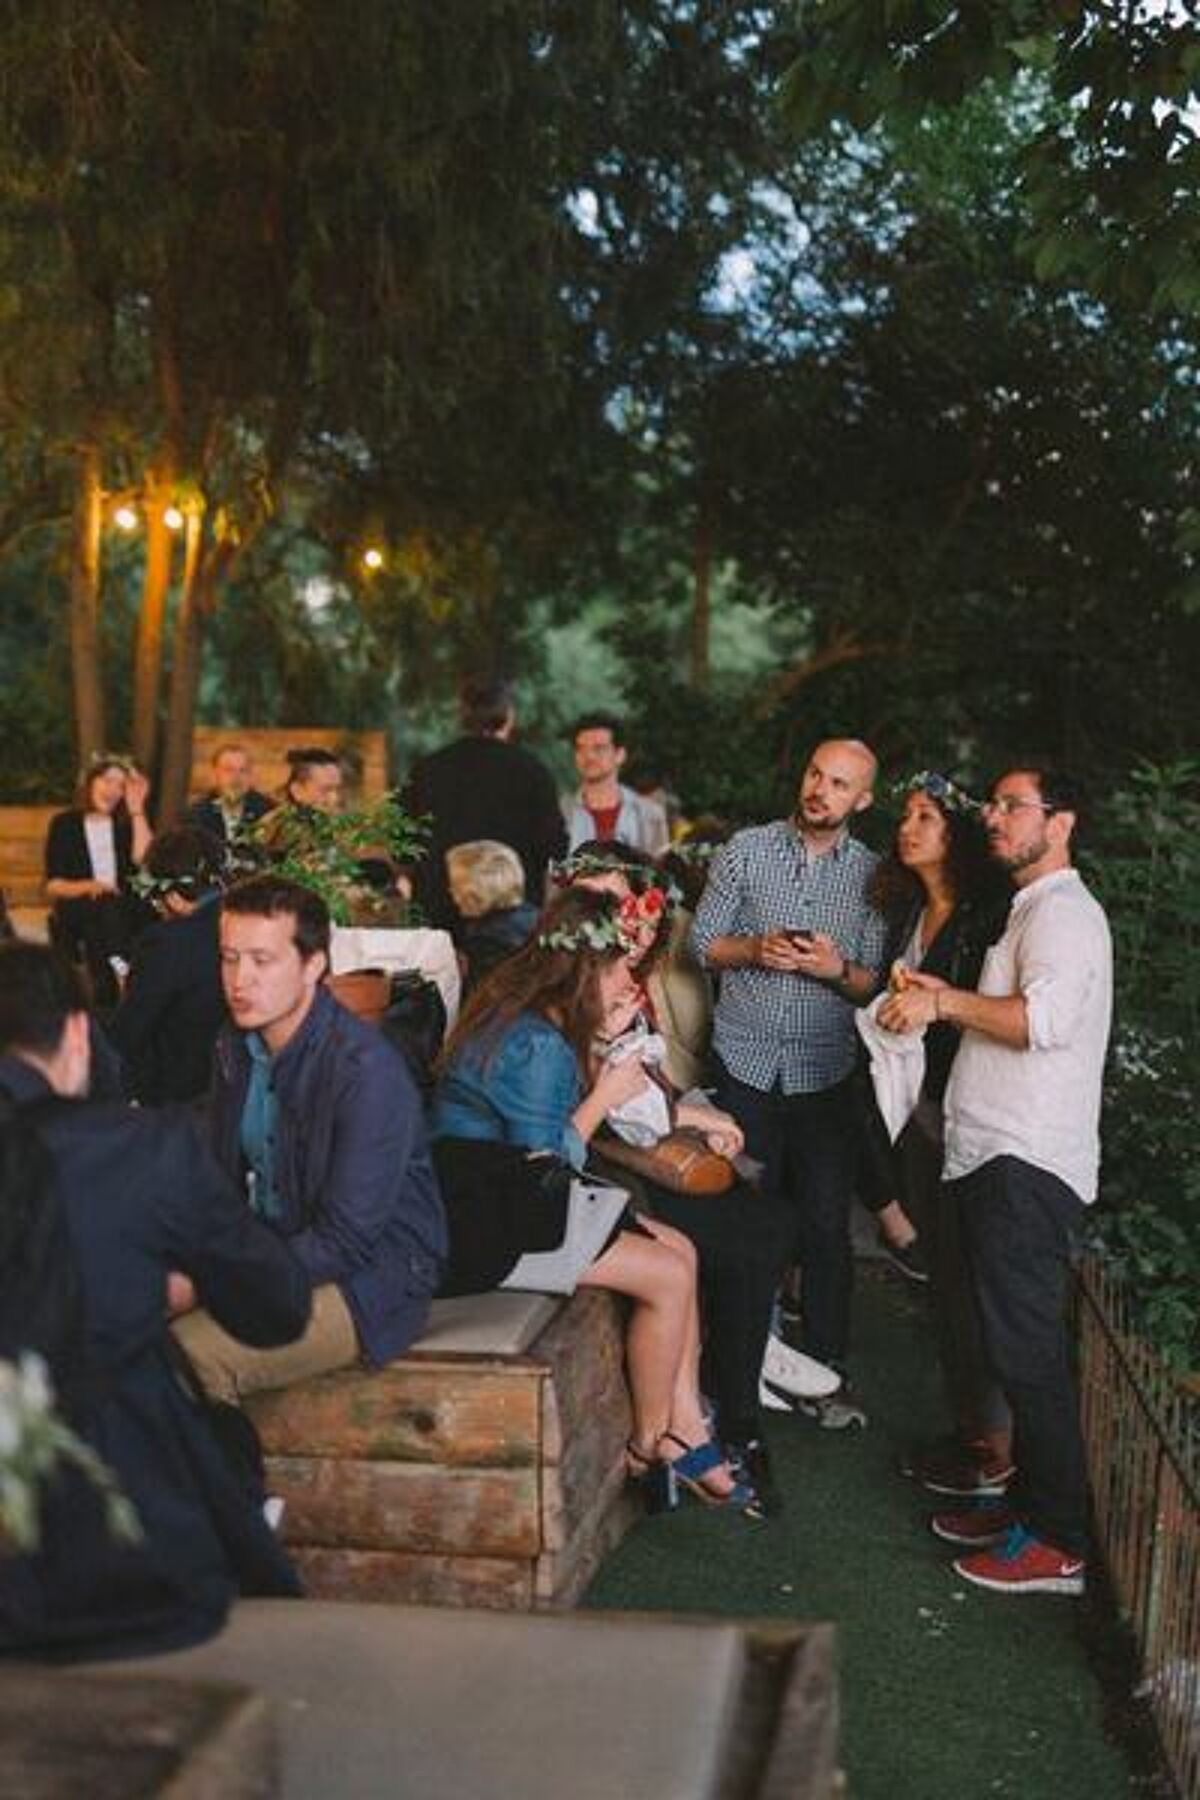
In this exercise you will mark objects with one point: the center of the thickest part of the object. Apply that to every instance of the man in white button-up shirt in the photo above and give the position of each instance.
(1022, 1151)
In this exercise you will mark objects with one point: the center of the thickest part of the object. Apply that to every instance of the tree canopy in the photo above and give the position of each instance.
(625, 385)
(1111, 171)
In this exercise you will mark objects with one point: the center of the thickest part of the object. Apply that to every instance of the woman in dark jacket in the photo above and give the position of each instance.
(946, 902)
(91, 850)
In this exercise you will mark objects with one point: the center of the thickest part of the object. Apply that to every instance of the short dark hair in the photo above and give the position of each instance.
(274, 896)
(187, 860)
(309, 756)
(485, 703)
(600, 721)
(39, 990)
(1057, 786)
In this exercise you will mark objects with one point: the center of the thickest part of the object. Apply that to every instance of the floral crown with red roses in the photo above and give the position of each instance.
(643, 881)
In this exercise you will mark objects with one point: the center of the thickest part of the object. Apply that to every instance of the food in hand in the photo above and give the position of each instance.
(898, 977)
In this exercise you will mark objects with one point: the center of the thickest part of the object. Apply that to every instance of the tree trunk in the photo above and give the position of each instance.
(156, 582)
(86, 669)
(701, 600)
(187, 649)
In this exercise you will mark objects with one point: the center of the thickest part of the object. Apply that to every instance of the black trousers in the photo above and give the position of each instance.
(806, 1143)
(1020, 1227)
(741, 1243)
(977, 1404)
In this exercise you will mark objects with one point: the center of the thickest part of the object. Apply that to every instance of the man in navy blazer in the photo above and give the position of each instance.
(315, 1114)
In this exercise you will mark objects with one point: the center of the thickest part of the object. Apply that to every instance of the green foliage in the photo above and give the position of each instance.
(325, 852)
(1111, 168)
(1147, 871)
(35, 1445)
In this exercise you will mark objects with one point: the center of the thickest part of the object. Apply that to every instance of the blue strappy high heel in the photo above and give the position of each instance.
(655, 1480)
(699, 1460)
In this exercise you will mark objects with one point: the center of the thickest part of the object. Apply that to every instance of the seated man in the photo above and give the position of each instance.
(98, 1203)
(316, 1115)
(233, 803)
(172, 1007)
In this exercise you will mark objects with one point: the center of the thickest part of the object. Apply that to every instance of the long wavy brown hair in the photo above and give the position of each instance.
(562, 986)
(969, 870)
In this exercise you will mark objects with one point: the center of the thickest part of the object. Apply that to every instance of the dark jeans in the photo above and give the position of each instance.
(741, 1241)
(977, 1404)
(1020, 1226)
(806, 1145)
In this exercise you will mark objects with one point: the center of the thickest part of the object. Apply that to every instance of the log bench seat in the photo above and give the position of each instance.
(484, 1468)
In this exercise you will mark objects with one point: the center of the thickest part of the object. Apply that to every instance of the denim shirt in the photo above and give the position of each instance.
(519, 1088)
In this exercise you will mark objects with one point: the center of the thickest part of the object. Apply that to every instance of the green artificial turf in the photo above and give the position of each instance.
(946, 1691)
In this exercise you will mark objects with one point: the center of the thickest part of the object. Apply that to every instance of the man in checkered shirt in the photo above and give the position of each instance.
(786, 925)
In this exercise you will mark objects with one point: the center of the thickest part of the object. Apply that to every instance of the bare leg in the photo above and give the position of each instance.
(663, 1289)
(688, 1426)
(687, 1416)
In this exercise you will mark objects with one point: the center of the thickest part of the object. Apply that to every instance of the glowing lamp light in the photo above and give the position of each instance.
(173, 519)
(372, 559)
(125, 518)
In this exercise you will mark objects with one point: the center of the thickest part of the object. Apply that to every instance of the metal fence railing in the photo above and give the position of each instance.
(1143, 1444)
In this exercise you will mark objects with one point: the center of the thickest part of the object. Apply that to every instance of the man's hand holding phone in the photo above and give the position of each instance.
(799, 951)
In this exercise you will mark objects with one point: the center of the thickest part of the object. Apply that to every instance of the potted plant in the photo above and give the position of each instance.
(358, 861)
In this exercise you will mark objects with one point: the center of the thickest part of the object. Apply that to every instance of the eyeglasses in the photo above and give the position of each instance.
(1008, 804)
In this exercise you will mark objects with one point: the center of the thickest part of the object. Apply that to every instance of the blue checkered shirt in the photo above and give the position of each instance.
(771, 1025)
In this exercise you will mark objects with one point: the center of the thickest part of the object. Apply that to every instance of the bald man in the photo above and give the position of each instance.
(786, 923)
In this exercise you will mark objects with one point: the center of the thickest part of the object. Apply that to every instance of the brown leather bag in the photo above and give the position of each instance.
(681, 1162)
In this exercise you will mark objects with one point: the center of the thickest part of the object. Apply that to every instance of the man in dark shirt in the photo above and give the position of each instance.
(100, 1204)
(172, 1007)
(484, 786)
(234, 803)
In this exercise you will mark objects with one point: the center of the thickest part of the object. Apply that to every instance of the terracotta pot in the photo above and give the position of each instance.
(364, 992)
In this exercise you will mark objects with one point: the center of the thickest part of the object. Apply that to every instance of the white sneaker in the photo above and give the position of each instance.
(797, 1374)
(772, 1400)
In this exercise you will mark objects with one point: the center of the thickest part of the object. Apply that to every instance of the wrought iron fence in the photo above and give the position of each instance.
(1143, 1443)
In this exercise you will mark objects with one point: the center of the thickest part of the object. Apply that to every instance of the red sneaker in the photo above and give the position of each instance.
(979, 1529)
(964, 1472)
(1023, 1564)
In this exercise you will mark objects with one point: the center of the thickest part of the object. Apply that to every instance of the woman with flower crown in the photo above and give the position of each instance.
(741, 1237)
(521, 1068)
(946, 901)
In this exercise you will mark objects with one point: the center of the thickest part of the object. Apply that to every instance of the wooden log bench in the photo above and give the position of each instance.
(484, 1468)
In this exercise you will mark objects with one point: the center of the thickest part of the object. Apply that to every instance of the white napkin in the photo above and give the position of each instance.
(645, 1117)
(897, 1066)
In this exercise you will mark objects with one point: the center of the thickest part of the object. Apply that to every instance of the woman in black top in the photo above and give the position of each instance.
(91, 849)
(946, 902)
